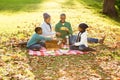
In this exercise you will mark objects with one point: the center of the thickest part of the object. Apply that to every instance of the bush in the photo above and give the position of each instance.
(118, 3)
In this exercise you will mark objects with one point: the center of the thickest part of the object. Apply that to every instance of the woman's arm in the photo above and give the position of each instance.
(45, 32)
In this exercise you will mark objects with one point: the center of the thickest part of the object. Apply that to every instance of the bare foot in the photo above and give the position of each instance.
(116, 45)
(101, 41)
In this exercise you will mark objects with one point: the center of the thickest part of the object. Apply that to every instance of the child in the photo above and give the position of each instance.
(81, 41)
(34, 43)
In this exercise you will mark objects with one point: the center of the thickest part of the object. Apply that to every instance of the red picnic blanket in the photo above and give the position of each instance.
(44, 52)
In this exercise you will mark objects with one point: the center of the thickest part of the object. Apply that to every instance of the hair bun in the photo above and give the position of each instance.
(46, 15)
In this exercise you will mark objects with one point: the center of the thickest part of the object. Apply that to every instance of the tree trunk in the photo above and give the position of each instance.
(109, 8)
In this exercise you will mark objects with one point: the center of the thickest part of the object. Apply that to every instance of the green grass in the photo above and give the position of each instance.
(19, 5)
(96, 4)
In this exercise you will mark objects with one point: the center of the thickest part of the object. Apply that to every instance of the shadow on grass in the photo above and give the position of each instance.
(19, 5)
(96, 4)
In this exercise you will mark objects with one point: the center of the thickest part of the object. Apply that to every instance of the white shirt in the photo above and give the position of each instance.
(83, 40)
(46, 30)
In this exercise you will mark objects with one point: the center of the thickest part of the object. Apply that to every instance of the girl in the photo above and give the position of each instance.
(81, 41)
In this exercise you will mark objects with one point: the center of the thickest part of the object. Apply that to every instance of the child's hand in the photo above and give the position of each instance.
(54, 38)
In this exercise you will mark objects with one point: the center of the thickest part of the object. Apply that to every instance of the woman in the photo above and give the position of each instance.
(46, 26)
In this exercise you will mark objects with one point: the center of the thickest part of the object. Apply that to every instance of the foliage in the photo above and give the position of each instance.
(118, 3)
(17, 5)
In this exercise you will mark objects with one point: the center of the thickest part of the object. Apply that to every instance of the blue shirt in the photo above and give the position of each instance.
(35, 39)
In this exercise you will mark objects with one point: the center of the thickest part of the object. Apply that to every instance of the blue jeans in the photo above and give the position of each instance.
(37, 46)
(72, 39)
(92, 40)
(81, 47)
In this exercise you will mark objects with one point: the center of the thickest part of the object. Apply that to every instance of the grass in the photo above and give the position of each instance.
(19, 5)
(18, 20)
(95, 4)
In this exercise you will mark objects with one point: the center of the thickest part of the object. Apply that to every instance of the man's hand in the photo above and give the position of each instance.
(67, 29)
(58, 34)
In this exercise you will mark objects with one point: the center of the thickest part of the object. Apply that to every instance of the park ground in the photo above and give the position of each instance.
(18, 18)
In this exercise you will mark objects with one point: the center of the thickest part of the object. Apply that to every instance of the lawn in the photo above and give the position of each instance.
(18, 18)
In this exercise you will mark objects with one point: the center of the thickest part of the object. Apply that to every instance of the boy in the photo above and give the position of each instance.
(34, 43)
(81, 41)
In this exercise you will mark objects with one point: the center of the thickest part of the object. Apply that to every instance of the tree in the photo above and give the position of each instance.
(109, 8)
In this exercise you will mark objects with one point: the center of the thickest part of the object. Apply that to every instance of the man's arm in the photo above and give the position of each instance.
(56, 28)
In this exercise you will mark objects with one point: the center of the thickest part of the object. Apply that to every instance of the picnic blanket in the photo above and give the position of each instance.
(45, 52)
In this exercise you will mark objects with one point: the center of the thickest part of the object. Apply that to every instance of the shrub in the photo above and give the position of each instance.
(118, 3)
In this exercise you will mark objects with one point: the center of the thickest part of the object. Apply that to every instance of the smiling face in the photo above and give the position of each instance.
(62, 18)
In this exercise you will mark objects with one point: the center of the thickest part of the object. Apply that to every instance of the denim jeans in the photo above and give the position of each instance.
(81, 47)
(37, 46)
(92, 40)
(72, 39)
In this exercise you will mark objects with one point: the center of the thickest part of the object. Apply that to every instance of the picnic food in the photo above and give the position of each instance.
(65, 49)
(52, 44)
(64, 28)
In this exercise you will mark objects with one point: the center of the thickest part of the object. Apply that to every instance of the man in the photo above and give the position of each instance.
(63, 27)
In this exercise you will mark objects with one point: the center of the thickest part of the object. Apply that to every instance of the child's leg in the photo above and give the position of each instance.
(92, 40)
(74, 47)
(72, 39)
(82, 47)
(42, 44)
(35, 47)
(95, 40)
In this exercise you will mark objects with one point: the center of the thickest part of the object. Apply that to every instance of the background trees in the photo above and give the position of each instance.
(109, 8)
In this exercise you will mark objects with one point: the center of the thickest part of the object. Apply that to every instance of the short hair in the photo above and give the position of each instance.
(63, 14)
(83, 26)
(38, 29)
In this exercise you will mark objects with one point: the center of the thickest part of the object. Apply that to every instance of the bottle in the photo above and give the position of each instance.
(67, 39)
(59, 42)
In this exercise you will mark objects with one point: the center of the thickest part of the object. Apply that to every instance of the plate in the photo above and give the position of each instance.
(64, 51)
